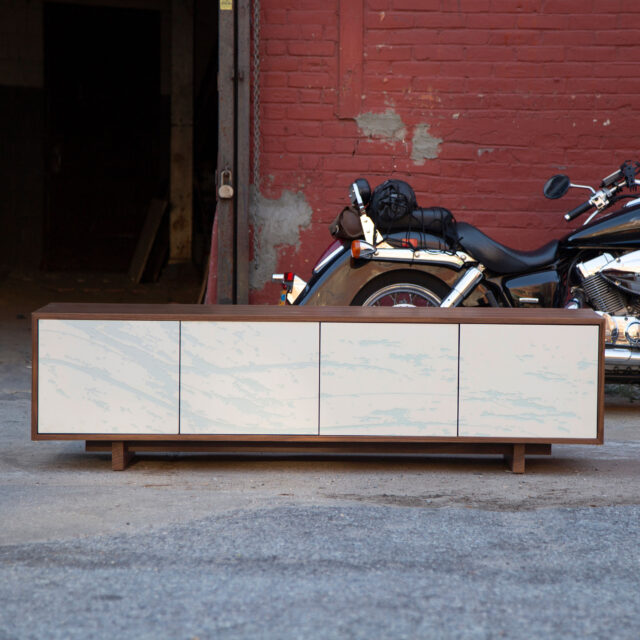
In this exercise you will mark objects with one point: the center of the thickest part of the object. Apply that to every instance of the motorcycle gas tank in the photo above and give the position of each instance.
(618, 229)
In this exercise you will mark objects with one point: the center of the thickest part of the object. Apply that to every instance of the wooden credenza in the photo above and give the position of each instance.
(224, 378)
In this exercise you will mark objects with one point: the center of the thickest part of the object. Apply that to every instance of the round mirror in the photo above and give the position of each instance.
(556, 186)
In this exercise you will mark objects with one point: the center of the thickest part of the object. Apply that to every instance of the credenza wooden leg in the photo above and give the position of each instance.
(120, 456)
(515, 459)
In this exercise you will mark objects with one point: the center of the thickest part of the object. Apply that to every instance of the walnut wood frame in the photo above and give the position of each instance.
(123, 445)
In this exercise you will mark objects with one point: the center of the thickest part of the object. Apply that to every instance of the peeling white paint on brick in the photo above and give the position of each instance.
(275, 223)
(387, 125)
(425, 146)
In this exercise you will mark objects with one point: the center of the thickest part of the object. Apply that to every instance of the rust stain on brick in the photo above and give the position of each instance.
(430, 97)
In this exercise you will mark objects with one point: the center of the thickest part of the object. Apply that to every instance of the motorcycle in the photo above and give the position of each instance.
(425, 258)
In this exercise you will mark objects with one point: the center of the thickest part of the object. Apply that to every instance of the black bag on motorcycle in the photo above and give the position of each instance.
(394, 208)
(391, 201)
(347, 225)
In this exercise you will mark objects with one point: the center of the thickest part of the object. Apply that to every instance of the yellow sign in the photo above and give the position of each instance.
(226, 5)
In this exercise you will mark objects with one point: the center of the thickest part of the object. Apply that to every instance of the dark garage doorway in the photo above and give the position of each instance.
(107, 133)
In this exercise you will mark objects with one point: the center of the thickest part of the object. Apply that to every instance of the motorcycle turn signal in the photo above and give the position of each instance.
(361, 249)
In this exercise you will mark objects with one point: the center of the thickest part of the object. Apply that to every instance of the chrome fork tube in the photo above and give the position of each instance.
(463, 287)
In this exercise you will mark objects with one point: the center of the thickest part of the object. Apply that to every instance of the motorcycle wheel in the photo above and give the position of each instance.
(402, 289)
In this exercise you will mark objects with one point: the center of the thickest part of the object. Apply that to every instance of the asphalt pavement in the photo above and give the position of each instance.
(202, 546)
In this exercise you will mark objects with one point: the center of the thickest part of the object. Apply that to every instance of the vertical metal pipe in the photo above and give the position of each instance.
(226, 151)
(242, 153)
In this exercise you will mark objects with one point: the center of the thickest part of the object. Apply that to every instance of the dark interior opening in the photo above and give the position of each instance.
(205, 147)
(106, 152)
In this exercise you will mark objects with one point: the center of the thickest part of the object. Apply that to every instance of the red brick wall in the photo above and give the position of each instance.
(515, 90)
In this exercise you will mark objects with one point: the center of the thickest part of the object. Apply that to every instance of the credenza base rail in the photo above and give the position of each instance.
(123, 452)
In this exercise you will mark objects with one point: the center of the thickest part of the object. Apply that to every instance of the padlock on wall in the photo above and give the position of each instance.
(225, 190)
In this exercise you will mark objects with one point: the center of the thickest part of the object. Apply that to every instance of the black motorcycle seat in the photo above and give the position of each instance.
(499, 258)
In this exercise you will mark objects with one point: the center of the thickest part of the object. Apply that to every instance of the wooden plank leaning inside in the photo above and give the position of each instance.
(144, 378)
(152, 223)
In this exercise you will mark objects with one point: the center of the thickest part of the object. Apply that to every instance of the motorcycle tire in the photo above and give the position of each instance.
(402, 289)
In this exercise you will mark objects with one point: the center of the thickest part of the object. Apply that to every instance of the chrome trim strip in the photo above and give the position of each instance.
(425, 256)
(321, 265)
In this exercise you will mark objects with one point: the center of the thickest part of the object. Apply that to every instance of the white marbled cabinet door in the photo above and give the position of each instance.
(388, 379)
(249, 378)
(521, 381)
(106, 376)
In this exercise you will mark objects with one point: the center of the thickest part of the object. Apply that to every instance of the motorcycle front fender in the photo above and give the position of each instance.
(339, 283)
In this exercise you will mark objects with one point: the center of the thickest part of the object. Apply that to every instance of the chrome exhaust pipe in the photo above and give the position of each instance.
(614, 356)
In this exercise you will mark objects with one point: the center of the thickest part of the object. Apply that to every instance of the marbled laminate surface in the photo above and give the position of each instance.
(249, 378)
(345, 379)
(528, 381)
(389, 379)
(97, 376)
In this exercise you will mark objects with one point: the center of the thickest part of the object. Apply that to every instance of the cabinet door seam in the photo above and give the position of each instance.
(319, 371)
(179, 376)
(458, 393)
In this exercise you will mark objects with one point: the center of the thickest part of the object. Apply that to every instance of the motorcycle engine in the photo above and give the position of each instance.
(600, 292)
(612, 286)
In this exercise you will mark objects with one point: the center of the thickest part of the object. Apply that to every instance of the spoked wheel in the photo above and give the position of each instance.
(402, 289)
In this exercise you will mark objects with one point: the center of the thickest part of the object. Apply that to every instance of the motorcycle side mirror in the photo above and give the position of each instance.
(556, 186)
